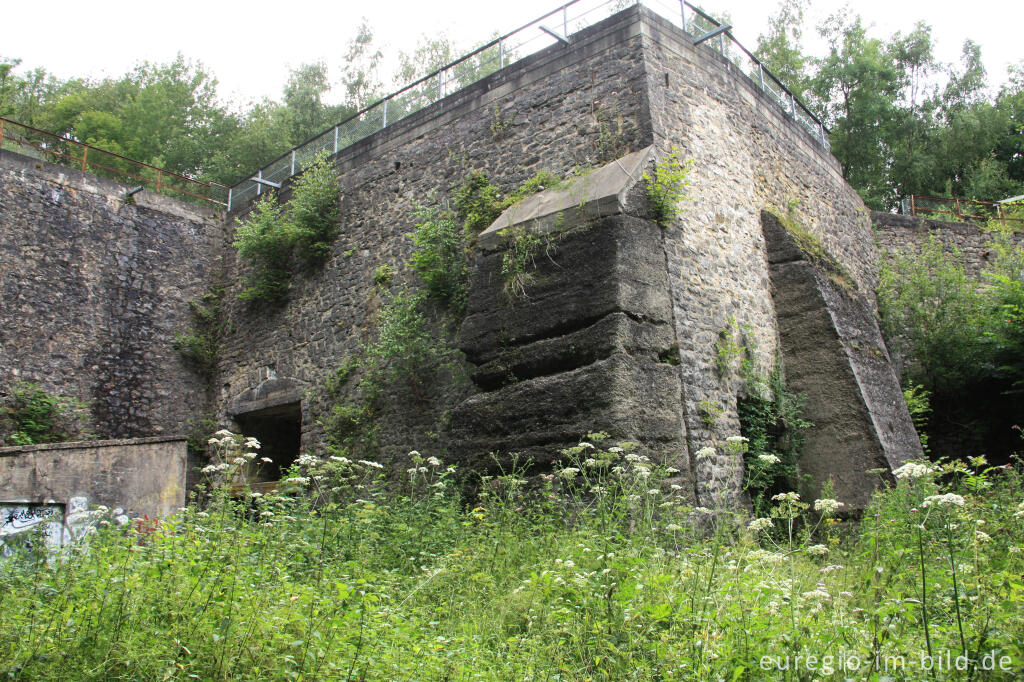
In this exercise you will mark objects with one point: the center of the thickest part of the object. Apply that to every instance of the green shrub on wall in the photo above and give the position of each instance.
(265, 240)
(304, 227)
(314, 207)
(31, 415)
(441, 258)
(667, 186)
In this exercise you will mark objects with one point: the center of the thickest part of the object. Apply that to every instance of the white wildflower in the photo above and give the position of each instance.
(587, 446)
(224, 433)
(209, 469)
(267, 460)
(618, 471)
(827, 506)
(255, 495)
(240, 461)
(598, 490)
(982, 536)
(251, 442)
(769, 459)
(817, 550)
(913, 470)
(616, 450)
(653, 491)
(737, 439)
(213, 441)
(671, 470)
(830, 569)
(786, 497)
(947, 500)
(590, 463)
(307, 460)
(297, 480)
(568, 473)
(706, 453)
(375, 465)
(673, 527)
(433, 461)
(760, 524)
(343, 460)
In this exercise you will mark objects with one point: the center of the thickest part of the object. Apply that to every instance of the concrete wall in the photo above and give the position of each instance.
(143, 476)
(94, 291)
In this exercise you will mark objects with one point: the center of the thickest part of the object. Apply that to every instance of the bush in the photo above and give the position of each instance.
(32, 416)
(667, 187)
(441, 258)
(265, 239)
(305, 227)
(314, 208)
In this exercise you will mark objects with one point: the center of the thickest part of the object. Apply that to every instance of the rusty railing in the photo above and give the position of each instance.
(65, 151)
(964, 210)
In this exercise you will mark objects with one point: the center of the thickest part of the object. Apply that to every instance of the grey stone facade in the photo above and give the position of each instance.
(94, 291)
(618, 332)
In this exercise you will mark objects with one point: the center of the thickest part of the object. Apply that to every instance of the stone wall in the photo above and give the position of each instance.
(748, 156)
(905, 235)
(142, 476)
(560, 109)
(94, 291)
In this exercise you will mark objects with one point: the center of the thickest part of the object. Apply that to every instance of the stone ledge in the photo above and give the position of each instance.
(14, 450)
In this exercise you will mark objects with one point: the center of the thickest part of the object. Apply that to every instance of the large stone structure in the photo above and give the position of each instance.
(620, 329)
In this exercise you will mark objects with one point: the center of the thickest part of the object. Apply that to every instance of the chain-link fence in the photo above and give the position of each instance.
(554, 27)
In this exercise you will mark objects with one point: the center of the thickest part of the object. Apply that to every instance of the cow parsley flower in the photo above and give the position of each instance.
(913, 470)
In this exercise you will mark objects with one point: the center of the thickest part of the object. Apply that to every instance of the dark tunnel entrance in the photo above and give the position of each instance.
(279, 431)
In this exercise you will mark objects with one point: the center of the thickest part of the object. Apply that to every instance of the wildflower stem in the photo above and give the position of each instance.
(924, 593)
(956, 587)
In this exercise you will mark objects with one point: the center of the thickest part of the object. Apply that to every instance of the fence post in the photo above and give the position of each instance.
(501, 54)
(760, 75)
(821, 133)
(85, 156)
(958, 209)
(384, 116)
(230, 192)
(565, 22)
(259, 186)
(792, 104)
(335, 139)
(999, 206)
(1, 133)
(682, 13)
(293, 164)
(159, 177)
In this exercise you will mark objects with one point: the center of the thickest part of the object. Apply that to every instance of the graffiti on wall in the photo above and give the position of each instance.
(23, 525)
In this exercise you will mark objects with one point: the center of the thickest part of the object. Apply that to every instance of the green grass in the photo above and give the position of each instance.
(598, 571)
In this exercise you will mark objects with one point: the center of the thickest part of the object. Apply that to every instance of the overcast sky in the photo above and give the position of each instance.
(249, 45)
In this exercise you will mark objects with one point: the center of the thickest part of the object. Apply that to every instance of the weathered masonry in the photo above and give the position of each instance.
(618, 332)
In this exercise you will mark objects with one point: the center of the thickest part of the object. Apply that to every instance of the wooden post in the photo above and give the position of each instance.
(1, 133)
(159, 173)
(85, 156)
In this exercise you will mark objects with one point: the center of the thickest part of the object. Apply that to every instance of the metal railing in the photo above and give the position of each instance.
(554, 27)
(963, 209)
(65, 151)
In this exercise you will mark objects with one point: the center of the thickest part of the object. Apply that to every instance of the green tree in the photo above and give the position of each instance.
(857, 84)
(780, 49)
